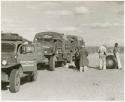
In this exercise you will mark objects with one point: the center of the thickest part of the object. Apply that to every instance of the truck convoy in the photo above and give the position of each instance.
(55, 48)
(20, 57)
(17, 60)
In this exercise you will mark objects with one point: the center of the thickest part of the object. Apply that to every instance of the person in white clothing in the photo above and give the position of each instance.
(102, 51)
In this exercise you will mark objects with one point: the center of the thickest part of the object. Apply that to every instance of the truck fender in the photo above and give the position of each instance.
(19, 67)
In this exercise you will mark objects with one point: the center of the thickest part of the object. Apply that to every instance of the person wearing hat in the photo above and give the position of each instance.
(83, 53)
(102, 51)
(116, 51)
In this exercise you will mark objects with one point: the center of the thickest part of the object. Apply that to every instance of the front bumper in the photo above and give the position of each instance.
(10, 65)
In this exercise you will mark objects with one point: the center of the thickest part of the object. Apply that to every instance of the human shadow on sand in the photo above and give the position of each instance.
(94, 67)
(74, 67)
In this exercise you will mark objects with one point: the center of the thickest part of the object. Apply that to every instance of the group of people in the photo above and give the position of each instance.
(81, 54)
(103, 53)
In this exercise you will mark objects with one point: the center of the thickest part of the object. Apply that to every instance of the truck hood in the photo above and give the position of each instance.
(7, 55)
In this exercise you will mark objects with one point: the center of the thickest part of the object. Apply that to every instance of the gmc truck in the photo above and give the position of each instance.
(50, 48)
(17, 61)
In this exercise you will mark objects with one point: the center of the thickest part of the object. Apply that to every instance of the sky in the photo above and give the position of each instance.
(96, 21)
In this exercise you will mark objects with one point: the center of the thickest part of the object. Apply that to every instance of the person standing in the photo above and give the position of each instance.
(77, 59)
(83, 53)
(102, 51)
(116, 51)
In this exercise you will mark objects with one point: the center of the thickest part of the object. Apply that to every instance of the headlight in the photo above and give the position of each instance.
(15, 56)
(45, 51)
(4, 62)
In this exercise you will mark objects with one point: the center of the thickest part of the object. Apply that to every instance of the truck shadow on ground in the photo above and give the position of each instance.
(24, 80)
(73, 67)
(4, 85)
(94, 67)
(41, 66)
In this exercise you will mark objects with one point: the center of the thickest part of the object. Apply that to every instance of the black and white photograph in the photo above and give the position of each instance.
(62, 50)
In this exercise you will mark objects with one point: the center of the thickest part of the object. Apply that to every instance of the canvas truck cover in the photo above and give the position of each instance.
(49, 35)
(11, 37)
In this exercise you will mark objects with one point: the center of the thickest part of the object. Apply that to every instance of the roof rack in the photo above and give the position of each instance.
(11, 37)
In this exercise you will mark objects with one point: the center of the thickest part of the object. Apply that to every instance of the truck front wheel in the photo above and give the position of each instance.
(52, 63)
(14, 81)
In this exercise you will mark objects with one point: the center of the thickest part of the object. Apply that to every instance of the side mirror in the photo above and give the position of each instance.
(29, 49)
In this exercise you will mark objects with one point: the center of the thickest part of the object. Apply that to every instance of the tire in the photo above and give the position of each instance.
(34, 76)
(111, 62)
(14, 81)
(52, 63)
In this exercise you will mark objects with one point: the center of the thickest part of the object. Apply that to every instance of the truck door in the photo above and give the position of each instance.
(26, 57)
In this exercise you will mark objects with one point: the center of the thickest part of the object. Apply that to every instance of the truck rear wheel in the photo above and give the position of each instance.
(52, 63)
(34, 76)
(14, 81)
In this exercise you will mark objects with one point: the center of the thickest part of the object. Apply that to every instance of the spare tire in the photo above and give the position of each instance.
(111, 62)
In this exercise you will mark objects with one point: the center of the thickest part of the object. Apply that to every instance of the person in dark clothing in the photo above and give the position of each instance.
(83, 53)
(77, 58)
(116, 51)
(81, 60)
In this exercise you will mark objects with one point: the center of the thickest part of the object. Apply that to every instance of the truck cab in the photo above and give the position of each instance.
(17, 61)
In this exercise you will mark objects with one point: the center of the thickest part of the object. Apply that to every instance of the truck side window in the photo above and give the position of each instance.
(22, 49)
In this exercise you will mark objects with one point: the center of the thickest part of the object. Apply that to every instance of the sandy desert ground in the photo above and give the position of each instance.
(69, 84)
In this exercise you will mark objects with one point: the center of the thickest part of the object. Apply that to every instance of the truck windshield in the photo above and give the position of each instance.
(45, 41)
(6, 47)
